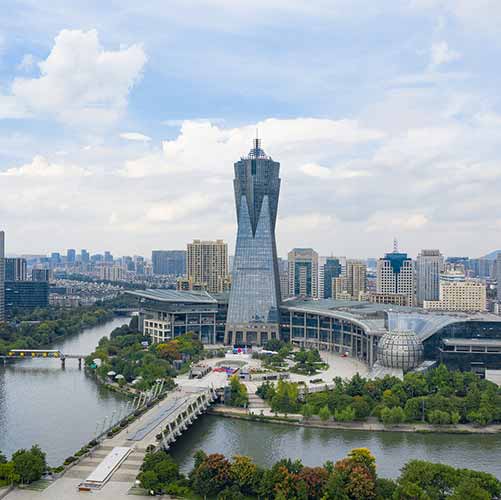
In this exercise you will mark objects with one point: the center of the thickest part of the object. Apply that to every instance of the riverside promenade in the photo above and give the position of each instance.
(138, 436)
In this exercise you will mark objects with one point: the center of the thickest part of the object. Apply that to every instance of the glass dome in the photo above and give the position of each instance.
(400, 349)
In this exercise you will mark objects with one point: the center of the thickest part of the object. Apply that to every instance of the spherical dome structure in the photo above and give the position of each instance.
(400, 349)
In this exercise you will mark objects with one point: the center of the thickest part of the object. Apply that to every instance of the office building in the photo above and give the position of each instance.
(397, 299)
(481, 268)
(84, 256)
(356, 278)
(2, 276)
(498, 275)
(15, 269)
(207, 265)
(395, 275)
(25, 296)
(253, 309)
(71, 256)
(303, 272)
(40, 275)
(429, 265)
(329, 270)
(458, 293)
(108, 257)
(169, 262)
(55, 259)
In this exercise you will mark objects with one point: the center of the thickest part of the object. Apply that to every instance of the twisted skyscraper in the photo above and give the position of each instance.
(253, 311)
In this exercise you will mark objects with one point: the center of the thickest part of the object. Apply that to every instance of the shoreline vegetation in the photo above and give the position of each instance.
(41, 328)
(352, 478)
(369, 426)
(438, 397)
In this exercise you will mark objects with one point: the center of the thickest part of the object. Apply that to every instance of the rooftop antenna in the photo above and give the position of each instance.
(395, 245)
(257, 142)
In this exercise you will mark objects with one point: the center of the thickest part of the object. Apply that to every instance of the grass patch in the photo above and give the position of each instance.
(40, 485)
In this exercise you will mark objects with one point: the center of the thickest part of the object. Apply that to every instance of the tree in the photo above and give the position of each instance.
(244, 473)
(324, 413)
(239, 396)
(3, 458)
(149, 481)
(29, 464)
(307, 410)
(211, 476)
(469, 490)
(8, 474)
(314, 479)
(385, 488)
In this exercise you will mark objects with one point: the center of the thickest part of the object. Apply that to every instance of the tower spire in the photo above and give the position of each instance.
(257, 141)
(395, 245)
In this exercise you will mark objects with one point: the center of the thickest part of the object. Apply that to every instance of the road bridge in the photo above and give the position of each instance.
(44, 354)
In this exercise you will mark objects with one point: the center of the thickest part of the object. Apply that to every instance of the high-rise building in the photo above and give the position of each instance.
(22, 296)
(253, 309)
(330, 270)
(339, 287)
(40, 275)
(71, 256)
(169, 262)
(207, 265)
(429, 265)
(498, 274)
(458, 293)
(84, 256)
(2, 276)
(395, 274)
(55, 259)
(15, 269)
(356, 277)
(108, 257)
(303, 272)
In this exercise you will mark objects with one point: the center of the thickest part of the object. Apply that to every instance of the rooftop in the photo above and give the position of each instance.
(164, 295)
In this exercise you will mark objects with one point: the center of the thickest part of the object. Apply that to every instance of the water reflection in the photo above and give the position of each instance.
(58, 409)
(267, 443)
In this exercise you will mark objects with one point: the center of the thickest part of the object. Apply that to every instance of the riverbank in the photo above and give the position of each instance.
(315, 422)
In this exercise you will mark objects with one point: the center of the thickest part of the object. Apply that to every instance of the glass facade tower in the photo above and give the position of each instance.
(253, 309)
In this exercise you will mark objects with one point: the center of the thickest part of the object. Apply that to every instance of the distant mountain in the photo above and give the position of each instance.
(492, 255)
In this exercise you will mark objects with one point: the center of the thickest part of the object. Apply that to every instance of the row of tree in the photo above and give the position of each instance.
(353, 477)
(25, 466)
(42, 327)
(439, 396)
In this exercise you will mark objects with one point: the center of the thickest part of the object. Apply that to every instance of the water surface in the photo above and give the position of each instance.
(58, 409)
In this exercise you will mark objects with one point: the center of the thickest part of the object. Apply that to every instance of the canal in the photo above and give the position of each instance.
(267, 443)
(57, 409)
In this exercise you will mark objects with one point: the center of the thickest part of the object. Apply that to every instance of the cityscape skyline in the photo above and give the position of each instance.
(404, 145)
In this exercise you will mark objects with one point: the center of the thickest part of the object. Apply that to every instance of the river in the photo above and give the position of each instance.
(267, 443)
(58, 409)
(55, 408)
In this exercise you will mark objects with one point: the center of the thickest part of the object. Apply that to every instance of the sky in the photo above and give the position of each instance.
(120, 122)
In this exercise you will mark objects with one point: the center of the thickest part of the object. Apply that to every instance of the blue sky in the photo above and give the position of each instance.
(119, 123)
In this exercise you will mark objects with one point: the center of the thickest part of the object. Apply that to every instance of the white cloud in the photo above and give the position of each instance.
(442, 54)
(135, 136)
(173, 210)
(338, 173)
(41, 167)
(206, 147)
(27, 62)
(80, 82)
